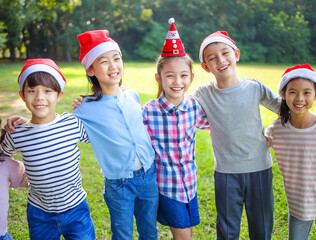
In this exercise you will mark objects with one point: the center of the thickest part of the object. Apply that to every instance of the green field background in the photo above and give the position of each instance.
(140, 77)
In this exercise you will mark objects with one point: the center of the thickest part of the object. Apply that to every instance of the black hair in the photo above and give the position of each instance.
(42, 78)
(2, 133)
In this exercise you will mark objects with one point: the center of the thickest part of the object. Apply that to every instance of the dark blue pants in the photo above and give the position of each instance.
(255, 191)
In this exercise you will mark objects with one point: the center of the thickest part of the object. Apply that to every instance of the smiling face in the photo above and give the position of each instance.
(108, 69)
(299, 96)
(175, 78)
(41, 101)
(220, 59)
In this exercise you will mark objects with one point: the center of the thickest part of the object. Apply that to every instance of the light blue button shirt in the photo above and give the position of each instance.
(117, 133)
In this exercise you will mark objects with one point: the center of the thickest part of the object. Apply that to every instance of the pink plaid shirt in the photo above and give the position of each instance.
(172, 131)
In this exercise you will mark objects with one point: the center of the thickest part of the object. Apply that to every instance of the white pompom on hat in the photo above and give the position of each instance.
(219, 36)
(298, 71)
(41, 65)
(93, 44)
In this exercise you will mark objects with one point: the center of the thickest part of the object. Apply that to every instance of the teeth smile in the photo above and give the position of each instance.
(39, 106)
(223, 68)
(177, 88)
(113, 74)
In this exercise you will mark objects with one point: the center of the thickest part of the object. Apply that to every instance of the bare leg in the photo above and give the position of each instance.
(182, 233)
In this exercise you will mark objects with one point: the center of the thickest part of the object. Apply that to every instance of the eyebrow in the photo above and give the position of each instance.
(185, 71)
(303, 89)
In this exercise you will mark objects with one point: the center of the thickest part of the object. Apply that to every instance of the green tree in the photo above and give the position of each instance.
(11, 14)
(3, 37)
(30, 22)
(286, 37)
(151, 44)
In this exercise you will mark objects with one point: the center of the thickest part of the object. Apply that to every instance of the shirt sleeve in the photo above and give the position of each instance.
(83, 134)
(133, 94)
(201, 121)
(269, 99)
(7, 146)
(145, 116)
(17, 174)
(269, 133)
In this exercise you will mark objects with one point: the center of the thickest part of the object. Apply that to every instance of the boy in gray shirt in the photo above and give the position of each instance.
(243, 165)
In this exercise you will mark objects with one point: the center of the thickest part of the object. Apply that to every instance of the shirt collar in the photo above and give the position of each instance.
(169, 107)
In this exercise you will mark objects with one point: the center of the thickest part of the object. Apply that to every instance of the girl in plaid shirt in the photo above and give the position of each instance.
(171, 121)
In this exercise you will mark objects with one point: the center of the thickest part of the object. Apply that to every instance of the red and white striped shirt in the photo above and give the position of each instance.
(295, 150)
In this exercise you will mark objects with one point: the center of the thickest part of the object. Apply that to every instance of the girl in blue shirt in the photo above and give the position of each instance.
(121, 143)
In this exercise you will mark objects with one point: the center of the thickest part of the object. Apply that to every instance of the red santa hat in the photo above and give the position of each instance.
(298, 71)
(41, 65)
(93, 44)
(173, 46)
(219, 36)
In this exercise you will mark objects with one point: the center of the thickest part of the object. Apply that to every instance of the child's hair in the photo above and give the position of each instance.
(42, 78)
(2, 132)
(284, 111)
(162, 61)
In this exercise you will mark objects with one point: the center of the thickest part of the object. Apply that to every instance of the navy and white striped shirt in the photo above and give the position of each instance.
(51, 158)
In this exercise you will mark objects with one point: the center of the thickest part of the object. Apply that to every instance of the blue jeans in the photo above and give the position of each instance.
(133, 196)
(299, 229)
(232, 192)
(73, 224)
(7, 236)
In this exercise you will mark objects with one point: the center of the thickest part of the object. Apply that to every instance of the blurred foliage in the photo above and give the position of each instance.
(274, 31)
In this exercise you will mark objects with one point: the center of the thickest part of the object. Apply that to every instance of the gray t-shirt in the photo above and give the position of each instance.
(236, 127)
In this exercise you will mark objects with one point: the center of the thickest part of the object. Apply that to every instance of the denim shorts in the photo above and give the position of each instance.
(7, 236)
(177, 214)
(73, 224)
(129, 197)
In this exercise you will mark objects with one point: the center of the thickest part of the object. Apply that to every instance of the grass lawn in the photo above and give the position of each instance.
(140, 77)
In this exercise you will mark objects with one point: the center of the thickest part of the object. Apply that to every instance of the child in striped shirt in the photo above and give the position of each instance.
(57, 202)
(293, 138)
(171, 121)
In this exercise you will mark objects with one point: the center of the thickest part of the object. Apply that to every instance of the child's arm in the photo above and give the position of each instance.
(17, 174)
(202, 121)
(269, 99)
(14, 121)
(269, 135)
(83, 134)
(7, 147)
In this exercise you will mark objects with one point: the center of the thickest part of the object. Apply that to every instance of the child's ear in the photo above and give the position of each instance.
(283, 95)
(21, 95)
(157, 78)
(60, 95)
(192, 77)
(237, 54)
(205, 67)
(90, 72)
